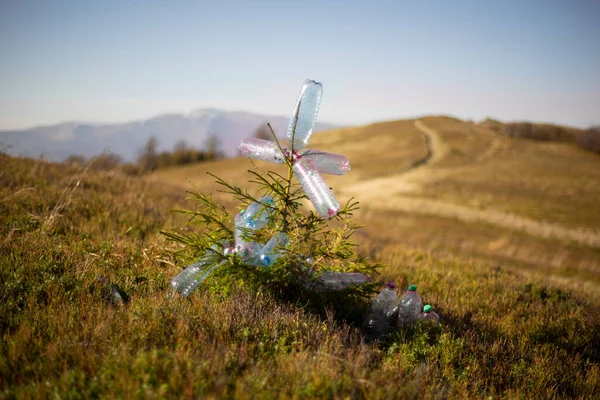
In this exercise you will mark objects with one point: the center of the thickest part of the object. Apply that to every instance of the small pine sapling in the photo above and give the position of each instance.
(318, 253)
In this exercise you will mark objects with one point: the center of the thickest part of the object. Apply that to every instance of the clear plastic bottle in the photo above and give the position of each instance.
(260, 149)
(188, 279)
(250, 253)
(330, 280)
(238, 231)
(258, 213)
(193, 275)
(315, 188)
(305, 114)
(189, 273)
(273, 249)
(187, 289)
(376, 327)
(410, 306)
(328, 163)
(386, 301)
(384, 309)
(429, 315)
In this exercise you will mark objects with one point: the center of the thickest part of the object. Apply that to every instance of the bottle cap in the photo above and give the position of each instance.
(390, 285)
(412, 288)
(265, 260)
(427, 308)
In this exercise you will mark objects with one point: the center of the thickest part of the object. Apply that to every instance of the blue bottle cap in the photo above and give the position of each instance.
(265, 260)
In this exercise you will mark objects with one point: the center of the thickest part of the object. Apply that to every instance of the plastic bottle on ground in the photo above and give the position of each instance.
(410, 306)
(386, 301)
(429, 315)
(384, 309)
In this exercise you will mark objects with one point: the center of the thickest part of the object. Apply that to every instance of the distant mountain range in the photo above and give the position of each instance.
(57, 142)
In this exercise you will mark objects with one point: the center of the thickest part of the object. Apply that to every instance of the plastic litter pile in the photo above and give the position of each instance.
(389, 312)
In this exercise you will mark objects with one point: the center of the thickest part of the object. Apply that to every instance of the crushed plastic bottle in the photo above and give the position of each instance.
(261, 149)
(410, 306)
(328, 163)
(305, 114)
(383, 315)
(273, 249)
(315, 188)
(429, 315)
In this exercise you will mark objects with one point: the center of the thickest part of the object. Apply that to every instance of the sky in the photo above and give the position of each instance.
(117, 61)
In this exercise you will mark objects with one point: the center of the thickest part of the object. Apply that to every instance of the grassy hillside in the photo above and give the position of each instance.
(67, 235)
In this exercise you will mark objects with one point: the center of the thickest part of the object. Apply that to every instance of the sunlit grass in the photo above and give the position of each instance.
(502, 333)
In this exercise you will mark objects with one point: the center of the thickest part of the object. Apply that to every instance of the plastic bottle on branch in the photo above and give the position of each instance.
(191, 272)
(257, 214)
(429, 315)
(250, 253)
(188, 279)
(198, 279)
(273, 249)
(315, 188)
(410, 306)
(239, 224)
(261, 149)
(328, 163)
(305, 114)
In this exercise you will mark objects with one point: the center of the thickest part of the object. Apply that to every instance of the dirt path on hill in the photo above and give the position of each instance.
(388, 193)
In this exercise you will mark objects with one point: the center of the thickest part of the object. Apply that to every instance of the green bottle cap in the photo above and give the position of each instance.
(427, 308)
(412, 288)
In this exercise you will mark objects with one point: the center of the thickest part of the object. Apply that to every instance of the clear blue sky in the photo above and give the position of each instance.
(113, 61)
